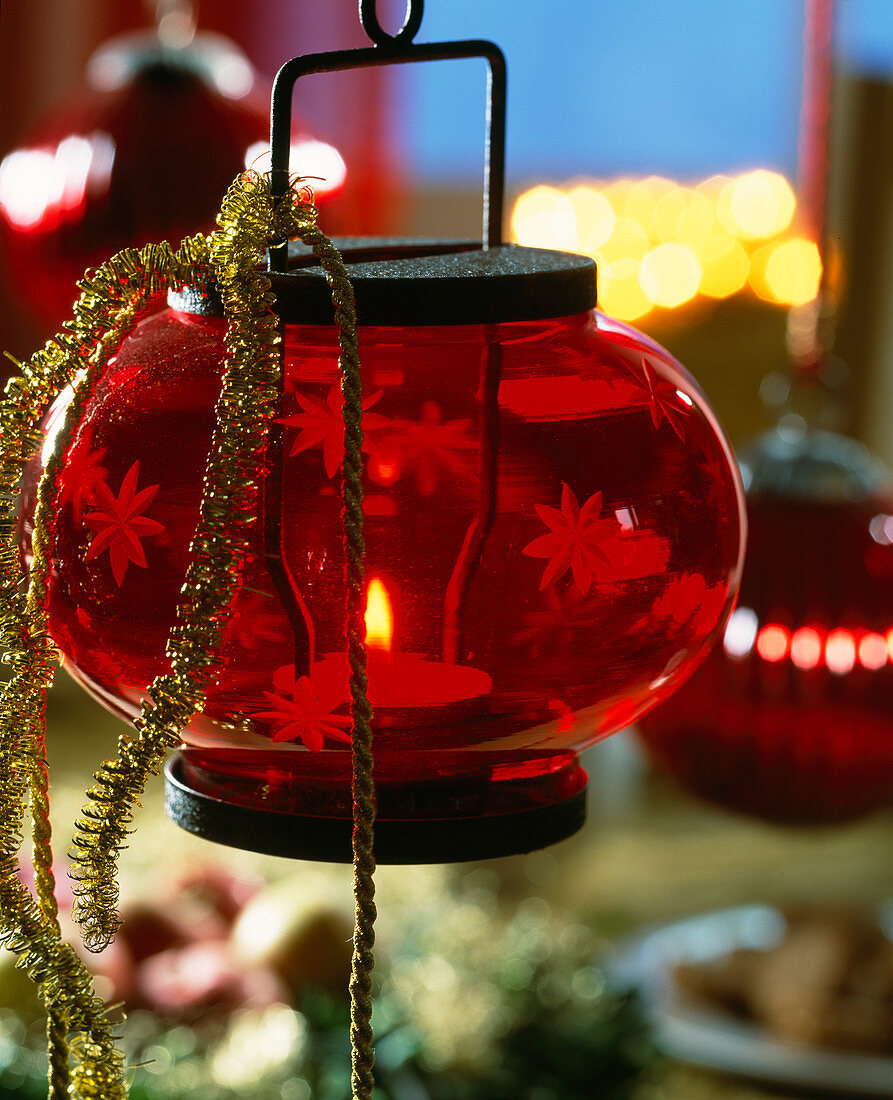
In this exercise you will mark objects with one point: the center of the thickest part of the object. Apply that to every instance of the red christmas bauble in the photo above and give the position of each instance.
(142, 153)
(554, 533)
(791, 718)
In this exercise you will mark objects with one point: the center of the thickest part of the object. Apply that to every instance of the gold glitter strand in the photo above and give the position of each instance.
(124, 286)
(248, 398)
(218, 549)
(65, 986)
(29, 930)
(112, 299)
(58, 1051)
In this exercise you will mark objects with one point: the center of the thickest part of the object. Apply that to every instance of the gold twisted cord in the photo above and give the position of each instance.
(58, 1055)
(363, 786)
(45, 887)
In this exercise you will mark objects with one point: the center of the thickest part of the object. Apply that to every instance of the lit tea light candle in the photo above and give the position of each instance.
(398, 679)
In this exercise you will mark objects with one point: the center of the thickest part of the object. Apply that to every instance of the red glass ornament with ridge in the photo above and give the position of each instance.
(791, 719)
(141, 153)
(553, 534)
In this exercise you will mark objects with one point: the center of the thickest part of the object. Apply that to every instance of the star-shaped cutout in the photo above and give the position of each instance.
(322, 424)
(432, 447)
(299, 712)
(664, 401)
(690, 603)
(83, 471)
(555, 623)
(119, 524)
(574, 539)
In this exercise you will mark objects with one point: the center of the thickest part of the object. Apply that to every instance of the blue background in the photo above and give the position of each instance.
(684, 88)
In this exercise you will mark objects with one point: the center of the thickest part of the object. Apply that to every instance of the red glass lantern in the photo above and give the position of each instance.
(553, 528)
(553, 541)
(792, 718)
(143, 153)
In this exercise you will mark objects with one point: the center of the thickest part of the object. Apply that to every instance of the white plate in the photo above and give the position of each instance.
(715, 1039)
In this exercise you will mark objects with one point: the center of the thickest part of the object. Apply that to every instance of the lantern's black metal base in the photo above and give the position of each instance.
(397, 841)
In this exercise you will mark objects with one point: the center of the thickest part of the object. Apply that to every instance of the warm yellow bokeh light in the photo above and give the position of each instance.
(659, 185)
(544, 218)
(793, 272)
(628, 241)
(787, 273)
(616, 192)
(761, 204)
(697, 220)
(639, 205)
(667, 213)
(595, 217)
(724, 266)
(658, 242)
(669, 275)
(619, 292)
(712, 187)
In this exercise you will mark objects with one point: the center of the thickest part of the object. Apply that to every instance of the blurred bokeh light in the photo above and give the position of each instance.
(659, 243)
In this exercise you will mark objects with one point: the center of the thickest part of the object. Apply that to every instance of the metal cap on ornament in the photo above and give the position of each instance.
(553, 529)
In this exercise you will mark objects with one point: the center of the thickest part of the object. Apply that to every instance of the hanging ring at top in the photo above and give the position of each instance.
(403, 37)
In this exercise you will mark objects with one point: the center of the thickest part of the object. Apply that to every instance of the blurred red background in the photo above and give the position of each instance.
(46, 44)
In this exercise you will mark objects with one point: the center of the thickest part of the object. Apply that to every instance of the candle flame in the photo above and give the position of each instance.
(379, 617)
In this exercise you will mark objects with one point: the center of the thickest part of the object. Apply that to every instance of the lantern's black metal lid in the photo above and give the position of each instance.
(411, 282)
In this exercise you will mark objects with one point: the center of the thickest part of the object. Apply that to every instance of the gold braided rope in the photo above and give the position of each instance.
(112, 300)
(45, 889)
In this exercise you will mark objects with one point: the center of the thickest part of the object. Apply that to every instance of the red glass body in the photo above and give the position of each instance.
(558, 539)
(792, 718)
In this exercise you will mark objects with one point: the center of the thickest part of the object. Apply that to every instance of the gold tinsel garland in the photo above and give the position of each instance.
(112, 299)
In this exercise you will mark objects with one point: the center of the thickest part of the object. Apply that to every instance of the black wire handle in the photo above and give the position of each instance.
(397, 49)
